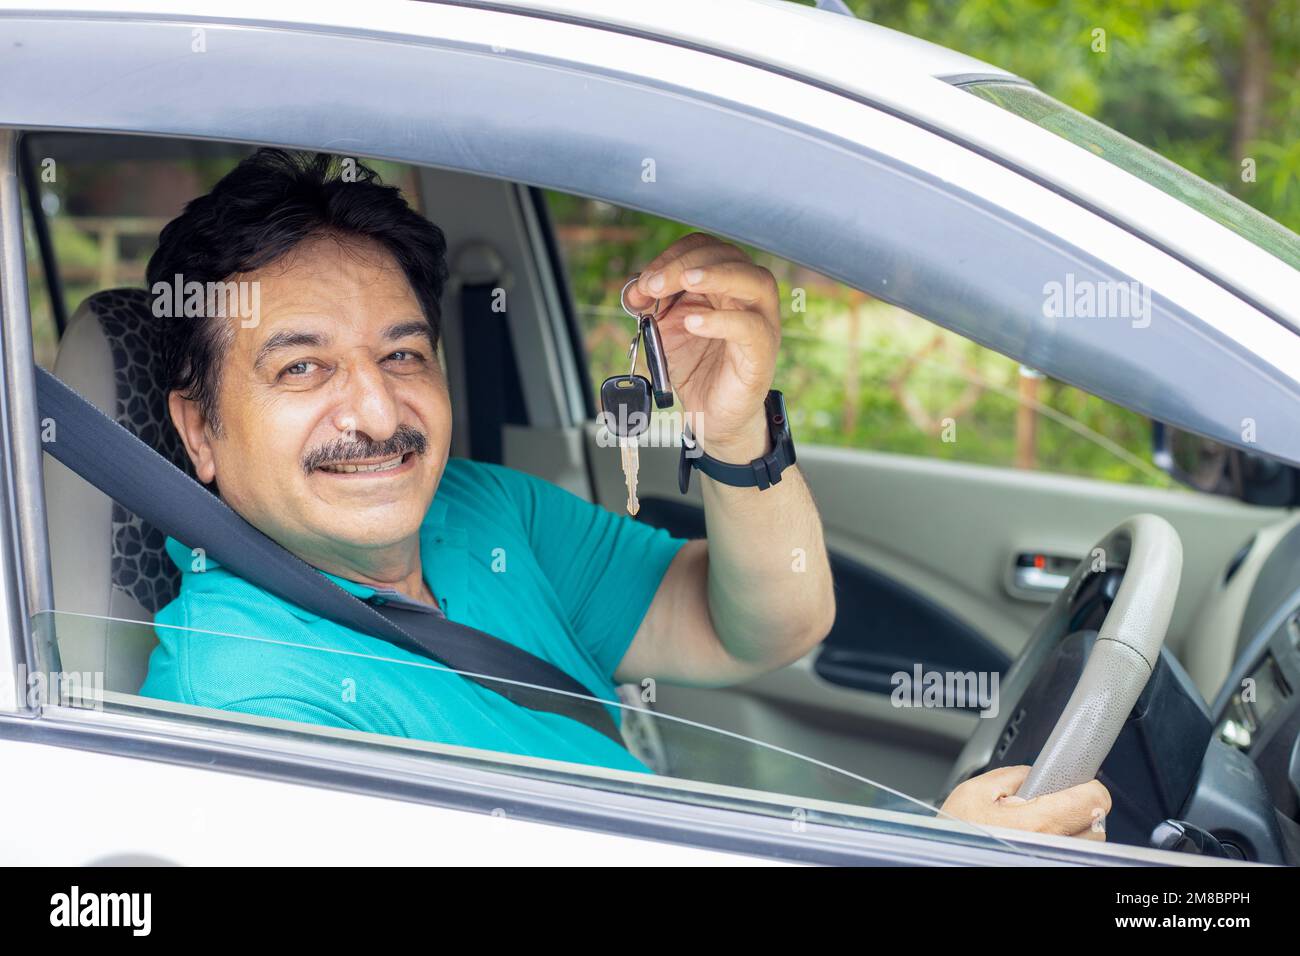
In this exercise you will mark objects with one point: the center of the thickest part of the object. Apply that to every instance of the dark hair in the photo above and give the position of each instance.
(258, 212)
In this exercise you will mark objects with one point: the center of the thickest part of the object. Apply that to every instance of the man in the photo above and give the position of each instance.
(325, 422)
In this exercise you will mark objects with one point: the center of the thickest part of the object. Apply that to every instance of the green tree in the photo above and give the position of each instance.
(1206, 84)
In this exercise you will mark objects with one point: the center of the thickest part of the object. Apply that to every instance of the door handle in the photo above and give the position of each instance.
(1038, 575)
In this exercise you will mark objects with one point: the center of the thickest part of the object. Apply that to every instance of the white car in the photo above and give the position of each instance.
(929, 181)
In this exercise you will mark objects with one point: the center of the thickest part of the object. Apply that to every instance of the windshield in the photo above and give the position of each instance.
(1039, 108)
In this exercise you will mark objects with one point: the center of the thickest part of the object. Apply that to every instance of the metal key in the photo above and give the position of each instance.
(648, 329)
(626, 402)
(631, 453)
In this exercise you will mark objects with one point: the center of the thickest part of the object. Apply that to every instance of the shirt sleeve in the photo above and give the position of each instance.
(604, 567)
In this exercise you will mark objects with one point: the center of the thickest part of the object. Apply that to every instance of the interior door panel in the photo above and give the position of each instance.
(921, 550)
(882, 625)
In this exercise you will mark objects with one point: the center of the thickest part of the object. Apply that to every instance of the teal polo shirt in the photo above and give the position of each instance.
(503, 552)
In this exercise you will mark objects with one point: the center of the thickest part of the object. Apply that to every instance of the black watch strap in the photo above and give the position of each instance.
(761, 473)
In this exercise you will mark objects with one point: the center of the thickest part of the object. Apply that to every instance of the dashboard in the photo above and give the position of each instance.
(1248, 792)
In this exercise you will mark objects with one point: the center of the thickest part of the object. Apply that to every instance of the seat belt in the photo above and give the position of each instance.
(129, 471)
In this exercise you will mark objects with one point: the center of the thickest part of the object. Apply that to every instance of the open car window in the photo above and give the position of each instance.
(850, 363)
(104, 202)
(862, 373)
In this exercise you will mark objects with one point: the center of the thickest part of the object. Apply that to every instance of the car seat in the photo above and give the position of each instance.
(109, 566)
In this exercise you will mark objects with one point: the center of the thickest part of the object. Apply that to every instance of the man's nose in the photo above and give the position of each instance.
(368, 405)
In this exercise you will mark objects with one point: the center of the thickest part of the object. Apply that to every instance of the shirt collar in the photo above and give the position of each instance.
(435, 535)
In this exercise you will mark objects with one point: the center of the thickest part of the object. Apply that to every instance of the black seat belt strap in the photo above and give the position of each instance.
(127, 470)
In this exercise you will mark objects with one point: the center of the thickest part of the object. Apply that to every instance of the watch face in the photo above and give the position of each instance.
(779, 424)
(777, 419)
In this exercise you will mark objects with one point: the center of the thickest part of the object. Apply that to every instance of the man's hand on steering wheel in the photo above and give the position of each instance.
(990, 800)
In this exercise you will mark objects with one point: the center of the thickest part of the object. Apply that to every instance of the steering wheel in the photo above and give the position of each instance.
(1150, 554)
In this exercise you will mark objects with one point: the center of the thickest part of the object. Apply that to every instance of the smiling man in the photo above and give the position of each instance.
(326, 423)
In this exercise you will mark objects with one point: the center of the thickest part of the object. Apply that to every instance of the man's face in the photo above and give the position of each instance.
(323, 404)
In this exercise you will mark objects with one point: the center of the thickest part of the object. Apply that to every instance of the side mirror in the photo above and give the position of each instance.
(1220, 469)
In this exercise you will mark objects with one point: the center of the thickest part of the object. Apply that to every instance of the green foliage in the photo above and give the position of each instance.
(1170, 75)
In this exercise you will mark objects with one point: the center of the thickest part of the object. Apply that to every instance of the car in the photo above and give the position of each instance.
(1147, 630)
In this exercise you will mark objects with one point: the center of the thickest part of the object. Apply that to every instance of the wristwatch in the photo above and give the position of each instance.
(761, 473)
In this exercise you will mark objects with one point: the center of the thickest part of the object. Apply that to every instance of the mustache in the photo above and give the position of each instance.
(405, 439)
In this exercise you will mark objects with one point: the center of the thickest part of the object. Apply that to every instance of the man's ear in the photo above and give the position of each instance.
(192, 425)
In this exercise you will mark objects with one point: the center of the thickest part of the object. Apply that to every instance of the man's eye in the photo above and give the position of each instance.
(405, 356)
(298, 369)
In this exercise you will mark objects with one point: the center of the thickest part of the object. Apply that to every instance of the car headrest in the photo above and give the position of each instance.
(119, 324)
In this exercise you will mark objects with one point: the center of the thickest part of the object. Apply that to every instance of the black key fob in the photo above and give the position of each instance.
(655, 361)
(625, 401)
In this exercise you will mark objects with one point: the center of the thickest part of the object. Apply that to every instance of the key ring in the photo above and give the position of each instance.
(647, 326)
(622, 299)
(654, 314)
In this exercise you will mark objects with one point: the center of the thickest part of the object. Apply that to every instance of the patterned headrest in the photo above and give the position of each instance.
(140, 564)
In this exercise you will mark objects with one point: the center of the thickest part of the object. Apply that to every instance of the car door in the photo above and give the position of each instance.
(958, 488)
(522, 72)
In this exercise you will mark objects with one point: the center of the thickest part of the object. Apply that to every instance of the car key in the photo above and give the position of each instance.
(654, 360)
(647, 325)
(626, 402)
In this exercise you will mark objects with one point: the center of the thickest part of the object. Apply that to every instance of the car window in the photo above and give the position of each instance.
(103, 204)
(1149, 166)
(861, 373)
(104, 199)
(102, 659)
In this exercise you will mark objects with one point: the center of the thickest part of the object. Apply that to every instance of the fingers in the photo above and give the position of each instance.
(1096, 834)
(746, 330)
(1067, 811)
(664, 276)
(1005, 781)
(987, 798)
(742, 281)
(734, 301)
(992, 798)
(640, 297)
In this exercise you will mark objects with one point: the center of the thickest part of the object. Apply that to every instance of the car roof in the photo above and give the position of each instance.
(887, 71)
(777, 32)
